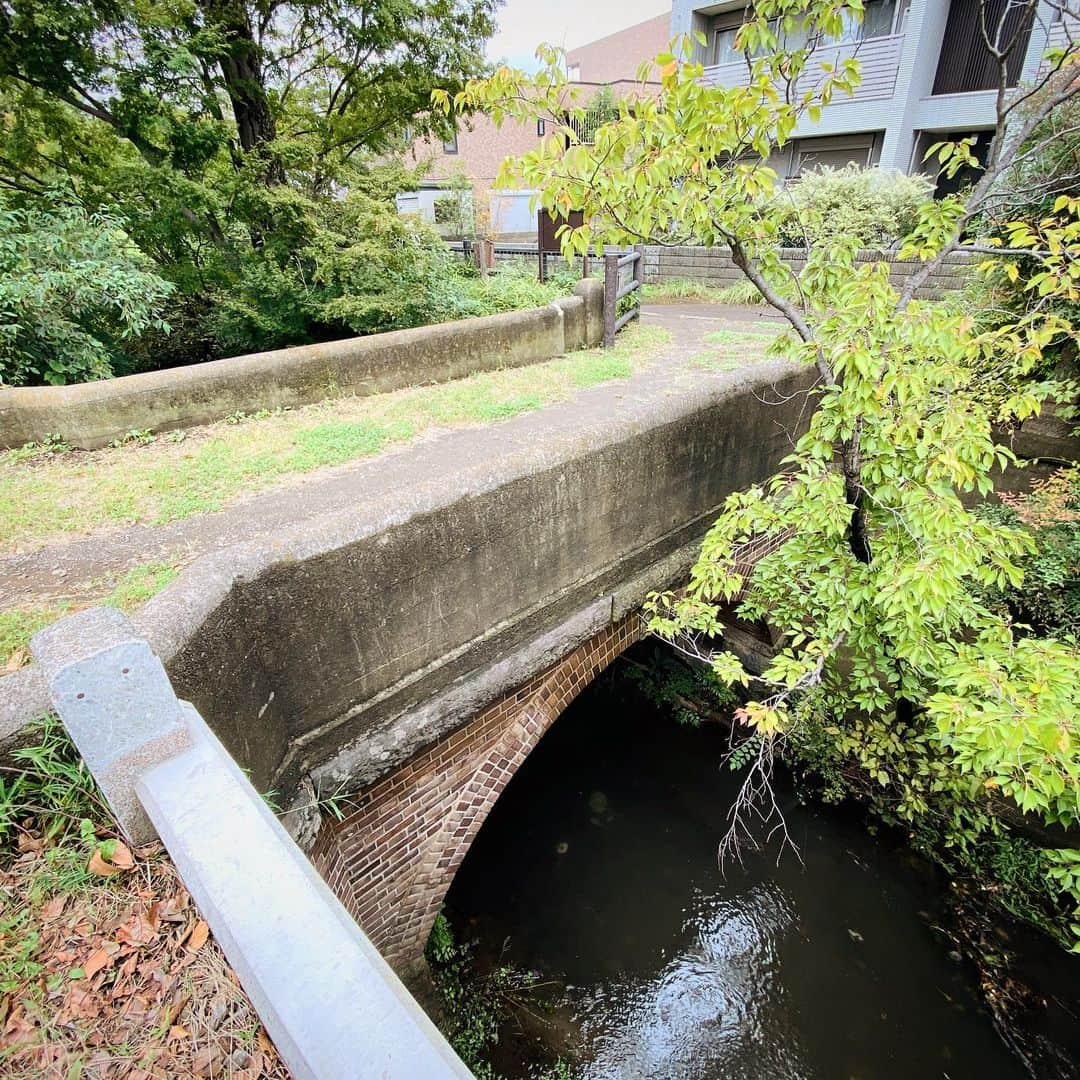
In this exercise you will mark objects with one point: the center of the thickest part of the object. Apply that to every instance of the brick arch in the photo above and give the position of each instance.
(393, 857)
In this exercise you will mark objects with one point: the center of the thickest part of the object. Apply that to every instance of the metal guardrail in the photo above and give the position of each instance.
(615, 290)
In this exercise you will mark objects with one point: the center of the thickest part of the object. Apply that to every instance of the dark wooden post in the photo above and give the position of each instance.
(639, 271)
(611, 297)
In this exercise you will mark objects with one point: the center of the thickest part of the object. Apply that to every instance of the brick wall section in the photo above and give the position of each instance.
(714, 266)
(393, 857)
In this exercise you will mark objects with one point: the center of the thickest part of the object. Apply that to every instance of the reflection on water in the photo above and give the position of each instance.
(598, 866)
(717, 1005)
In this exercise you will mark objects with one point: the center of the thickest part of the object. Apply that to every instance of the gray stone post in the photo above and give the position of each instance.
(116, 702)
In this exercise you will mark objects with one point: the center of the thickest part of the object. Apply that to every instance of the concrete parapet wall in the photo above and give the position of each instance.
(713, 266)
(90, 415)
(339, 632)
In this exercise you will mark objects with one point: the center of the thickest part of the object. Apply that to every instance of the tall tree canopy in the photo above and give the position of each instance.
(888, 653)
(221, 132)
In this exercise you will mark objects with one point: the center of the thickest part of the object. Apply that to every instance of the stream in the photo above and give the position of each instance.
(598, 869)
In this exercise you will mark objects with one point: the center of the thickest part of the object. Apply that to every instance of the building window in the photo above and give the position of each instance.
(832, 153)
(879, 18)
(450, 146)
(724, 30)
(965, 64)
(573, 72)
(877, 21)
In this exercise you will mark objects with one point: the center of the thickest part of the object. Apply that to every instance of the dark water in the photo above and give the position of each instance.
(598, 865)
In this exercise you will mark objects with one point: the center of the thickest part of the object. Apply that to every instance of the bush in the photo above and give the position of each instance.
(875, 206)
(74, 290)
(361, 269)
(1049, 599)
(512, 286)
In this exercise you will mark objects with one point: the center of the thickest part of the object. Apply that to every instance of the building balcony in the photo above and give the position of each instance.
(879, 61)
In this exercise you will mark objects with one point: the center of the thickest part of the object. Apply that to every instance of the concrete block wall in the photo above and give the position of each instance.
(393, 857)
(714, 267)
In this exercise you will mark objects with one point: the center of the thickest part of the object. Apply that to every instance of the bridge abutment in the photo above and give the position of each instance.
(392, 857)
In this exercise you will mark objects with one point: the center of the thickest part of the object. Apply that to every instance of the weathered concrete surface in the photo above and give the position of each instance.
(297, 643)
(90, 415)
(333, 1007)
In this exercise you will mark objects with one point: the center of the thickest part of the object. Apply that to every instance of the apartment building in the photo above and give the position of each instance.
(479, 147)
(926, 75)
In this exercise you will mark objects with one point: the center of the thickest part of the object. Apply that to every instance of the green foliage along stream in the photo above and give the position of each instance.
(236, 155)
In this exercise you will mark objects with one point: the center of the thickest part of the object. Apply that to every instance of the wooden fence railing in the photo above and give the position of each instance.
(615, 289)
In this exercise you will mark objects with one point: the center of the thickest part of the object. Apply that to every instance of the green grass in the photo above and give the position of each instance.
(680, 289)
(19, 624)
(695, 291)
(732, 349)
(51, 493)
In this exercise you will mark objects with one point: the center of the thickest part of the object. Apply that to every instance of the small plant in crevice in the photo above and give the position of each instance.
(477, 1006)
(48, 445)
(692, 693)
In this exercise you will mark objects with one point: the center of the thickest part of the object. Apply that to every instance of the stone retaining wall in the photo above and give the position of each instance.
(713, 266)
(90, 415)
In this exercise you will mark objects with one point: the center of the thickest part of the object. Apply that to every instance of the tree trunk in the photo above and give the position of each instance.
(241, 68)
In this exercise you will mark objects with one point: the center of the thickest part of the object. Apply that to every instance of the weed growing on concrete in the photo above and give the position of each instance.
(51, 444)
(19, 624)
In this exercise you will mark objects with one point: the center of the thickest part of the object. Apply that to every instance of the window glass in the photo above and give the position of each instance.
(877, 21)
(724, 51)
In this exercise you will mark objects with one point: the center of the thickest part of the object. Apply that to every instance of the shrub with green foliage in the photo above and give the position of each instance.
(874, 207)
(1048, 601)
(224, 136)
(74, 289)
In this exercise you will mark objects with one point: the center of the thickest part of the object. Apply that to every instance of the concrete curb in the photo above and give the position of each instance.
(330, 1002)
(90, 415)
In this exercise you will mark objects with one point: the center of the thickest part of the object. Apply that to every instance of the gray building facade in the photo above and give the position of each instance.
(925, 76)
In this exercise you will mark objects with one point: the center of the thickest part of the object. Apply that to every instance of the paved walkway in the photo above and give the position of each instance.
(67, 568)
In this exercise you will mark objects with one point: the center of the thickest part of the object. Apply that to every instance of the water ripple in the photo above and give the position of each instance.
(718, 1006)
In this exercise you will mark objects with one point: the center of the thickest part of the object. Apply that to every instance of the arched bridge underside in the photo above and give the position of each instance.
(393, 856)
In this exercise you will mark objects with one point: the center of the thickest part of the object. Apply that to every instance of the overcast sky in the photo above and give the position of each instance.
(524, 24)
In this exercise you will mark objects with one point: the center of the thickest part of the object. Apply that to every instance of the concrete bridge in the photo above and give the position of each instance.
(405, 652)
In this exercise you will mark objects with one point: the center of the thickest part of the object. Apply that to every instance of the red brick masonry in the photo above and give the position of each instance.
(392, 858)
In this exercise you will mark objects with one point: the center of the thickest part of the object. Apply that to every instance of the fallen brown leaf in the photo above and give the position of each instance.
(138, 930)
(120, 858)
(54, 908)
(200, 932)
(16, 660)
(100, 959)
(98, 866)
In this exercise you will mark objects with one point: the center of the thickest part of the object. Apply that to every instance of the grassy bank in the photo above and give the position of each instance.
(19, 624)
(153, 480)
